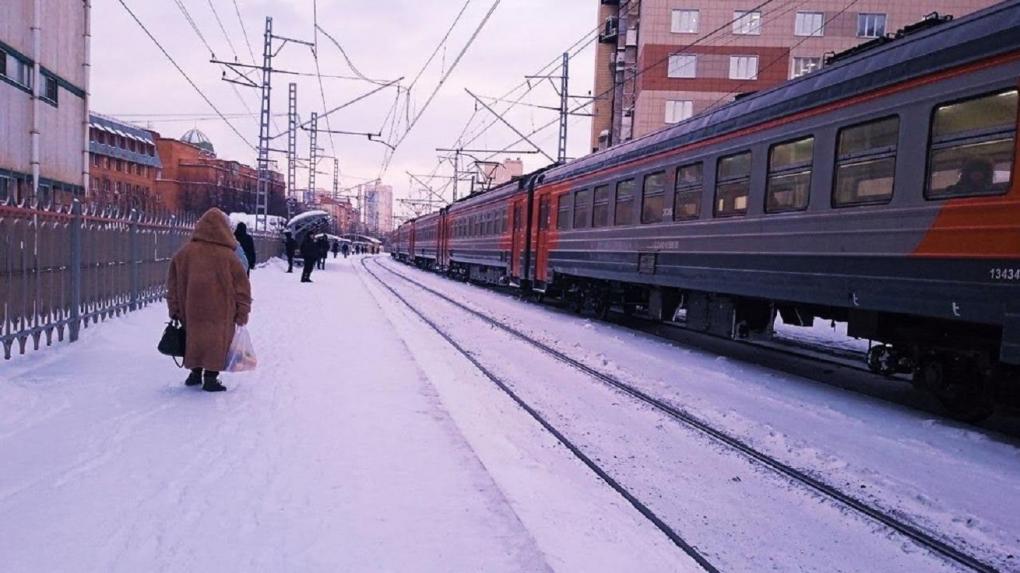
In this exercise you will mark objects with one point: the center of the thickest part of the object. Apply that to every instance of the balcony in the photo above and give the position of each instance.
(610, 31)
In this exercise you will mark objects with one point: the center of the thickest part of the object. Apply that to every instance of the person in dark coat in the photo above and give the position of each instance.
(310, 254)
(323, 244)
(336, 248)
(247, 244)
(346, 249)
(290, 247)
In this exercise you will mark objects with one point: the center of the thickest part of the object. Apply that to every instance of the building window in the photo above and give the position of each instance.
(972, 146)
(625, 202)
(5, 188)
(789, 182)
(743, 67)
(685, 21)
(50, 89)
(653, 198)
(747, 23)
(3, 63)
(866, 163)
(689, 186)
(600, 213)
(678, 110)
(563, 212)
(733, 183)
(802, 66)
(682, 66)
(809, 24)
(870, 25)
(18, 70)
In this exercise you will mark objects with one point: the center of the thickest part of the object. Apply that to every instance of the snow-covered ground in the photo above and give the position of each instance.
(960, 483)
(345, 451)
(365, 442)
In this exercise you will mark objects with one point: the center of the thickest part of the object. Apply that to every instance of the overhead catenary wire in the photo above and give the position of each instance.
(442, 81)
(244, 31)
(223, 29)
(184, 74)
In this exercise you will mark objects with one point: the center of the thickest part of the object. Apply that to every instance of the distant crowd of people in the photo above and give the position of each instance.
(314, 250)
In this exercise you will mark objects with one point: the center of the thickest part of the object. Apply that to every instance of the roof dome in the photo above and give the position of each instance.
(198, 139)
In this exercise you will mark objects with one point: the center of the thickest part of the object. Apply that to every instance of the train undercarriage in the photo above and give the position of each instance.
(956, 362)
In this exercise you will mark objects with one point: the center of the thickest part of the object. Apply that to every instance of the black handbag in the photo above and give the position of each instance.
(173, 341)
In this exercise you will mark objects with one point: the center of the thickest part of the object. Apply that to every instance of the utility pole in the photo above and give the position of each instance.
(292, 122)
(313, 160)
(262, 163)
(262, 195)
(561, 156)
(336, 179)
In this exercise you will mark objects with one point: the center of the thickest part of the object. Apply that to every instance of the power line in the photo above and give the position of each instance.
(194, 26)
(244, 30)
(446, 76)
(350, 64)
(183, 73)
(222, 28)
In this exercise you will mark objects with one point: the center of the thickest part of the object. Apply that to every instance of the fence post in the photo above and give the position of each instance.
(75, 325)
(133, 254)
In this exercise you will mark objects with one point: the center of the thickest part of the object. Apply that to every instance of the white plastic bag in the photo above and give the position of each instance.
(241, 354)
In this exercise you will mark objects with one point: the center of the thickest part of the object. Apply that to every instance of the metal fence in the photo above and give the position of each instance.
(64, 269)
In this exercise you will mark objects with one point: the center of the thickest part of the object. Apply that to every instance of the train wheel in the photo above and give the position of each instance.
(962, 389)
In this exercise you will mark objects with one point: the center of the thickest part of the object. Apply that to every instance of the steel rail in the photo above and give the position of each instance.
(908, 530)
(594, 467)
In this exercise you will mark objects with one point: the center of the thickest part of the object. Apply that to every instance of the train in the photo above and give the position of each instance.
(880, 191)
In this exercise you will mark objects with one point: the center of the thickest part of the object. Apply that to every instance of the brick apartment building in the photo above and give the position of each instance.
(44, 74)
(659, 62)
(124, 165)
(193, 179)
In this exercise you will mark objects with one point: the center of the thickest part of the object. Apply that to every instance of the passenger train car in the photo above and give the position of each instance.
(881, 191)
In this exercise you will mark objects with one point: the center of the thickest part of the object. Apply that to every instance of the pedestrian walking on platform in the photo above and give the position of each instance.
(209, 293)
(323, 244)
(346, 249)
(336, 248)
(290, 246)
(310, 254)
(247, 243)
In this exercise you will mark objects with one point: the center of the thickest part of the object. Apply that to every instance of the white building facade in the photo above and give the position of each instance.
(44, 120)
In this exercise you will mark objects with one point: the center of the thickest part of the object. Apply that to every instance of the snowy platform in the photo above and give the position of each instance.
(338, 454)
(365, 442)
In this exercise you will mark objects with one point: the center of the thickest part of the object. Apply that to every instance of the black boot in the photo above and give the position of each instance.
(212, 384)
(195, 378)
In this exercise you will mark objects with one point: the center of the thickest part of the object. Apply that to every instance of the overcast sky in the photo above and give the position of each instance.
(385, 39)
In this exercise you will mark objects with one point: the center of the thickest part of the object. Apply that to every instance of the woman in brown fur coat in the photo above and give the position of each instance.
(209, 292)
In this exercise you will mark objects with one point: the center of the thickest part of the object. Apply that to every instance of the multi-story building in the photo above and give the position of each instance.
(124, 165)
(659, 62)
(378, 206)
(44, 73)
(193, 179)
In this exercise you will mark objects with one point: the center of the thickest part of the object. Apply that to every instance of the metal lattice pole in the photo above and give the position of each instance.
(561, 157)
(336, 179)
(262, 195)
(292, 129)
(313, 159)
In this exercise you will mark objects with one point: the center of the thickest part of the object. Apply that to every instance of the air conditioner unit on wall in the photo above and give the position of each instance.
(632, 37)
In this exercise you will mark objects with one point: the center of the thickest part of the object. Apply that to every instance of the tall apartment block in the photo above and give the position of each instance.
(44, 119)
(658, 62)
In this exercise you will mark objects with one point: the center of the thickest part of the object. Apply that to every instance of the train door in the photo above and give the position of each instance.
(541, 236)
(517, 242)
(442, 246)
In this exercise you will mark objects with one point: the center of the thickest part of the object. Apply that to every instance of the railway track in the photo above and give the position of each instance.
(913, 533)
(659, 523)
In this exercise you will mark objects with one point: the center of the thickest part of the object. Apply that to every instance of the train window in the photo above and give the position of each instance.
(490, 223)
(733, 183)
(582, 209)
(625, 202)
(600, 214)
(690, 183)
(972, 146)
(563, 212)
(543, 214)
(866, 163)
(789, 182)
(653, 198)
